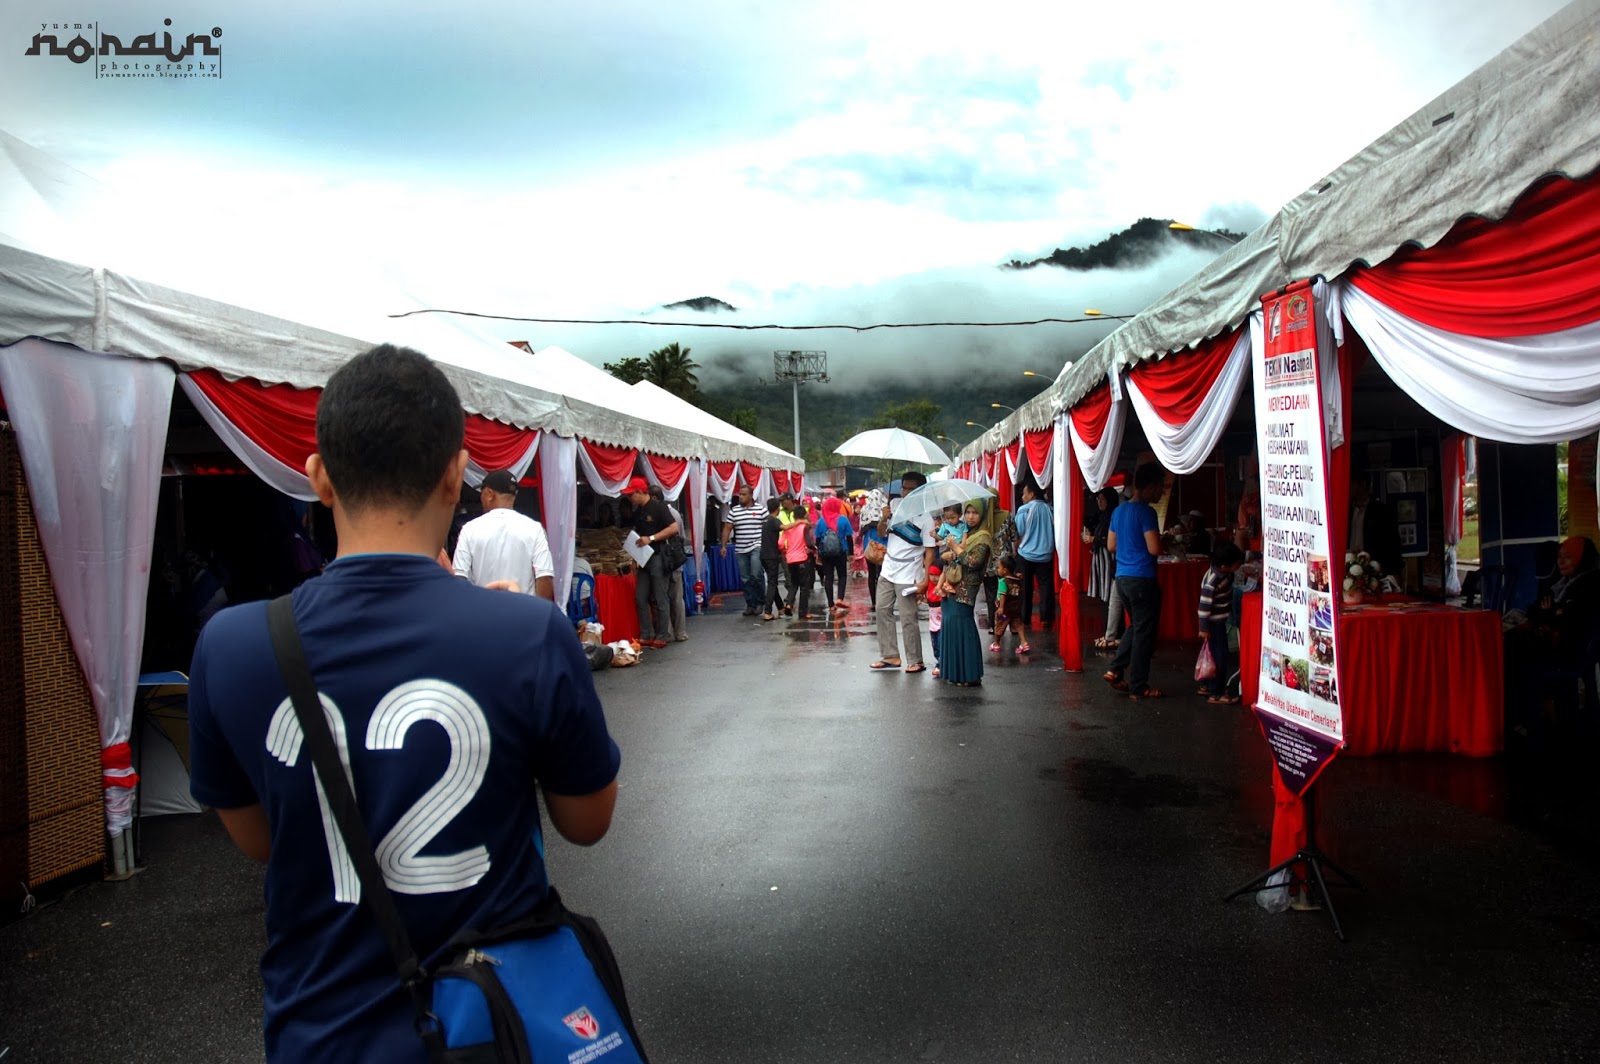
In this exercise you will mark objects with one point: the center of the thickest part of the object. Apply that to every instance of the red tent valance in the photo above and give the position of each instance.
(613, 463)
(1178, 385)
(667, 470)
(780, 480)
(495, 445)
(1089, 417)
(1532, 273)
(724, 470)
(279, 419)
(1038, 445)
(750, 473)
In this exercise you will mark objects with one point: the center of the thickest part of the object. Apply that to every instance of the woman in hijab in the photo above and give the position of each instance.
(833, 535)
(961, 660)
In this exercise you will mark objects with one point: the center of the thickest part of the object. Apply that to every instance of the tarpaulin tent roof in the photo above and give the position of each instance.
(714, 428)
(1525, 114)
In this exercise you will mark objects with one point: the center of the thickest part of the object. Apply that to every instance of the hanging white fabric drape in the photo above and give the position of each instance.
(697, 507)
(519, 469)
(92, 430)
(291, 482)
(599, 483)
(1067, 504)
(668, 491)
(765, 488)
(558, 497)
(1526, 389)
(1011, 463)
(1100, 461)
(1185, 448)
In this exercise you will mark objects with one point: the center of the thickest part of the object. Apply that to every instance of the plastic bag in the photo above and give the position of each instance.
(1205, 667)
(1275, 897)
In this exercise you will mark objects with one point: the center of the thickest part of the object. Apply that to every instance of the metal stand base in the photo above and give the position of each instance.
(1314, 883)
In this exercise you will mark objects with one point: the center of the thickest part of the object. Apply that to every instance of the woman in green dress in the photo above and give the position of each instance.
(962, 660)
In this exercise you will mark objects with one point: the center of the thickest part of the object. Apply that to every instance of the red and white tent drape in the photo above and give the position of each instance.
(1041, 451)
(273, 430)
(558, 498)
(1495, 330)
(1096, 428)
(780, 480)
(720, 480)
(607, 469)
(669, 474)
(1184, 401)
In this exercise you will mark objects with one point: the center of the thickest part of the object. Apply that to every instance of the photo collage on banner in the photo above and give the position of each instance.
(1298, 705)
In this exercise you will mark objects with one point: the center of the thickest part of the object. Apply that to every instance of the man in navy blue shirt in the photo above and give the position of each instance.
(1135, 539)
(1036, 527)
(450, 703)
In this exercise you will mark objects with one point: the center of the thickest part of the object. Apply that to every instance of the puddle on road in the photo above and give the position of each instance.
(1106, 782)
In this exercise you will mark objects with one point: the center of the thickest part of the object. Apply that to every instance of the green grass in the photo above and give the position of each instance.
(1467, 549)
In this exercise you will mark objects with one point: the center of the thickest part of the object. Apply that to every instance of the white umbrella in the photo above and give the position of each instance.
(932, 497)
(893, 444)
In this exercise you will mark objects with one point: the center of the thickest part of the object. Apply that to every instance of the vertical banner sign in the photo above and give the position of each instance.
(1298, 704)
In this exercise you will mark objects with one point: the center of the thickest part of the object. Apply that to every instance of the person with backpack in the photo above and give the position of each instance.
(835, 542)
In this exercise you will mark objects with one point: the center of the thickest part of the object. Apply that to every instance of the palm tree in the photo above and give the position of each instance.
(671, 369)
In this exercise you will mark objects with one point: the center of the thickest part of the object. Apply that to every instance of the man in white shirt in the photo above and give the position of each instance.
(504, 544)
(903, 578)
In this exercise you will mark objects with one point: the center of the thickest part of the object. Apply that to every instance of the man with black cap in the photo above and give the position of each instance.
(504, 544)
(653, 524)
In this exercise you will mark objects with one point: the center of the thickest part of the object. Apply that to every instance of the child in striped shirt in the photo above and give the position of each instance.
(1216, 602)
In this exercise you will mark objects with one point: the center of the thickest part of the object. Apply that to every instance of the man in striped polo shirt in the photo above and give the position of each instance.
(742, 523)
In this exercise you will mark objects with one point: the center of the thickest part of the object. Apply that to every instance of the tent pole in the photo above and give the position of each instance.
(796, 385)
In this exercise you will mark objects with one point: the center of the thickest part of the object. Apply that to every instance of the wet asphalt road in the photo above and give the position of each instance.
(814, 863)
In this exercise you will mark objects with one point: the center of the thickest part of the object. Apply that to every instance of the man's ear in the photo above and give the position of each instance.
(454, 475)
(321, 486)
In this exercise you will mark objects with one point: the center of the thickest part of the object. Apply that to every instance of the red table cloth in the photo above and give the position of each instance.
(1180, 598)
(613, 600)
(1417, 678)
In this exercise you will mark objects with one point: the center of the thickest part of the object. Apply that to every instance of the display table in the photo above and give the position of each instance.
(613, 601)
(1416, 677)
(1180, 598)
(724, 570)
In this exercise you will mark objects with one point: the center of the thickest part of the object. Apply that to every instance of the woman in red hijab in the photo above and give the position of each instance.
(833, 538)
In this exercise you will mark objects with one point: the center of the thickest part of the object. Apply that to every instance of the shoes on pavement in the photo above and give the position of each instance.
(653, 644)
(749, 613)
(994, 648)
(1024, 648)
(680, 639)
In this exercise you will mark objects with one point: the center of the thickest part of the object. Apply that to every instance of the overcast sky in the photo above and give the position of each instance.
(819, 160)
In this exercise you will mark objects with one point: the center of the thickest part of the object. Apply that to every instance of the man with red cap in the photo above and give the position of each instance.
(504, 544)
(653, 523)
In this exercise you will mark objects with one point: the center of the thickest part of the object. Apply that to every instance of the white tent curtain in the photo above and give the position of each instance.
(1100, 461)
(91, 430)
(1525, 389)
(1185, 448)
(558, 495)
(764, 488)
(519, 469)
(599, 483)
(292, 482)
(669, 491)
(1011, 463)
(1066, 499)
(697, 509)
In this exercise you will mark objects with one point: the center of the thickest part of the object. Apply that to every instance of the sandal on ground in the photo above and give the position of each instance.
(1115, 680)
(1024, 648)
(883, 666)
(769, 616)
(968, 683)
(917, 668)
(994, 648)
(1148, 692)
(1105, 644)
(936, 672)
(1223, 700)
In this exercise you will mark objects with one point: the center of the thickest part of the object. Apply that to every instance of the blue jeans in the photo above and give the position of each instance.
(1217, 640)
(755, 586)
(1142, 596)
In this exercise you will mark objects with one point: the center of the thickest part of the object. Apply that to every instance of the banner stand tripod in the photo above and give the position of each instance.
(1315, 861)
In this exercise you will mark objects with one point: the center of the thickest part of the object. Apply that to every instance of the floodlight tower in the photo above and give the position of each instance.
(799, 367)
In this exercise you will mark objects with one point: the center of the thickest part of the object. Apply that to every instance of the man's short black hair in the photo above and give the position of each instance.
(912, 475)
(772, 506)
(1148, 475)
(388, 425)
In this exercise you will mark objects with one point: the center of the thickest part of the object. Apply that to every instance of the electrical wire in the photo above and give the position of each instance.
(752, 328)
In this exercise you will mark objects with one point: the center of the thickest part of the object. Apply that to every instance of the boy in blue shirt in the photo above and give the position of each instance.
(1135, 539)
(1035, 551)
(450, 704)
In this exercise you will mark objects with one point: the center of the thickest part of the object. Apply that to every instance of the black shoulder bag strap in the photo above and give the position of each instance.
(296, 673)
